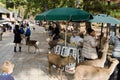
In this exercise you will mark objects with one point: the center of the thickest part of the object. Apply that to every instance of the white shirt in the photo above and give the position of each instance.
(89, 47)
(76, 40)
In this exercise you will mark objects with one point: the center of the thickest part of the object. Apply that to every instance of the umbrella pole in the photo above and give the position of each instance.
(107, 30)
(100, 35)
(65, 35)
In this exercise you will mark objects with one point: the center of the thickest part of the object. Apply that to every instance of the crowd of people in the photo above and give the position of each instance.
(91, 44)
(21, 31)
(88, 43)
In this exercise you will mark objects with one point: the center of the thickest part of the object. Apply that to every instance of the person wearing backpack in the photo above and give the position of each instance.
(22, 32)
(27, 33)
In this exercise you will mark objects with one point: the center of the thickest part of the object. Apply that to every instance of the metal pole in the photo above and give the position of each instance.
(101, 35)
(65, 35)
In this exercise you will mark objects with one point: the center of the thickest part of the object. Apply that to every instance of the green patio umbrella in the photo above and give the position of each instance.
(64, 14)
(41, 16)
(103, 18)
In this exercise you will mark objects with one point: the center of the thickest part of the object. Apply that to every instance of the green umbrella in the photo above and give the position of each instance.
(103, 18)
(64, 14)
(41, 16)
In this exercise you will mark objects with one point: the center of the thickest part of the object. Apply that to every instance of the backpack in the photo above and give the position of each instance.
(21, 30)
(28, 32)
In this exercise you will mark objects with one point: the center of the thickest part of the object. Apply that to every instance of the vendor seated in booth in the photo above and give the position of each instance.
(76, 40)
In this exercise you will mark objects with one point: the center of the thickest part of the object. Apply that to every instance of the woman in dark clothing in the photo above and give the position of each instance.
(56, 32)
(17, 38)
(50, 29)
(55, 36)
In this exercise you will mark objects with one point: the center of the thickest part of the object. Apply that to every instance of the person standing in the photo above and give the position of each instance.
(115, 41)
(50, 29)
(89, 45)
(56, 31)
(70, 27)
(27, 34)
(17, 38)
(22, 32)
(55, 36)
(76, 39)
(7, 69)
(1, 33)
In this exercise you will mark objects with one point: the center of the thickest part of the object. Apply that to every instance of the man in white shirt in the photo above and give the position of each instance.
(76, 39)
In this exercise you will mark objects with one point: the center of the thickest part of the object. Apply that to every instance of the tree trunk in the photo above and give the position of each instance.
(87, 24)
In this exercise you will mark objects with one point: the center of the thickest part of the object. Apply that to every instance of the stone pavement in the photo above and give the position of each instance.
(28, 66)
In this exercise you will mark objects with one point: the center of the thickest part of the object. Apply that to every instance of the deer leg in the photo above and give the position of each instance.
(28, 48)
(38, 49)
(60, 74)
(35, 50)
(50, 67)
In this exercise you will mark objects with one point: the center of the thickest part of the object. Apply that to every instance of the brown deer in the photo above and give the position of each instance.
(59, 61)
(33, 43)
(87, 72)
(52, 44)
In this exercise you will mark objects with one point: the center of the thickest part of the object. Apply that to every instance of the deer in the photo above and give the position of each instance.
(88, 72)
(98, 62)
(52, 44)
(59, 61)
(33, 43)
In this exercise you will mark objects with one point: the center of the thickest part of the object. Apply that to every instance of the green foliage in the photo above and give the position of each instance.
(3, 1)
(14, 3)
(33, 7)
(95, 6)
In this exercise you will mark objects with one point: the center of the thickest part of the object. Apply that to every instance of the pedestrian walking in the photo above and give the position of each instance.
(17, 38)
(27, 34)
(7, 69)
(22, 32)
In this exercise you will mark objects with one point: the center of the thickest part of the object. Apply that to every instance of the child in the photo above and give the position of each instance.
(7, 69)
